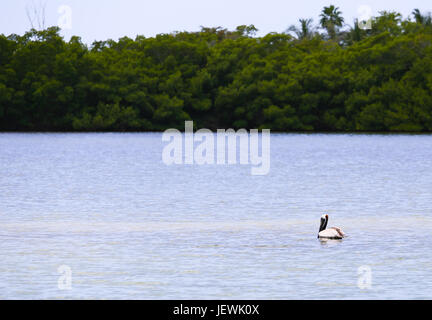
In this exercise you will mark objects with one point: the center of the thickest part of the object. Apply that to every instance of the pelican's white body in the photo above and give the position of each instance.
(331, 233)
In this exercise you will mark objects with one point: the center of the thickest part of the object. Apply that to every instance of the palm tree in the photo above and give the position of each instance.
(331, 19)
(306, 30)
(422, 19)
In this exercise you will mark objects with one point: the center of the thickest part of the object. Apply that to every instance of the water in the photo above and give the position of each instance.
(130, 227)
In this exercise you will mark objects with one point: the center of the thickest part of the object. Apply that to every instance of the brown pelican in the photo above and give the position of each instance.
(330, 233)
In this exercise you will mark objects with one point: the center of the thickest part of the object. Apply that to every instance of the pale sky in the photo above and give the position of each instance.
(113, 19)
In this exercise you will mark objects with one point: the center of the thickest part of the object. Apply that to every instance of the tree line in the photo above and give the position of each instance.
(328, 77)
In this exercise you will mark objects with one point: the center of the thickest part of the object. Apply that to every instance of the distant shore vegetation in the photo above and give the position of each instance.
(329, 76)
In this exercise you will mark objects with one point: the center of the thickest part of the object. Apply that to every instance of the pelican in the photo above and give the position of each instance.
(330, 233)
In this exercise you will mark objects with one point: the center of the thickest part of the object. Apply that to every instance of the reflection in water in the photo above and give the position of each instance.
(330, 241)
(130, 227)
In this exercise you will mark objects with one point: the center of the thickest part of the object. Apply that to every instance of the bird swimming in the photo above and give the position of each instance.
(330, 233)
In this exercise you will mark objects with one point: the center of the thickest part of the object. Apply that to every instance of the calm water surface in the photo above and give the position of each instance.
(130, 227)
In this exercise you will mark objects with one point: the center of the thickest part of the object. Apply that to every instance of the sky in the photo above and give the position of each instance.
(112, 19)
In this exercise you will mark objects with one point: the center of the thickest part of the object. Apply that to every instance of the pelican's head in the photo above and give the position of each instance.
(323, 222)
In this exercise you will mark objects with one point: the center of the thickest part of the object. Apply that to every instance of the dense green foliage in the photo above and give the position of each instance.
(335, 79)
